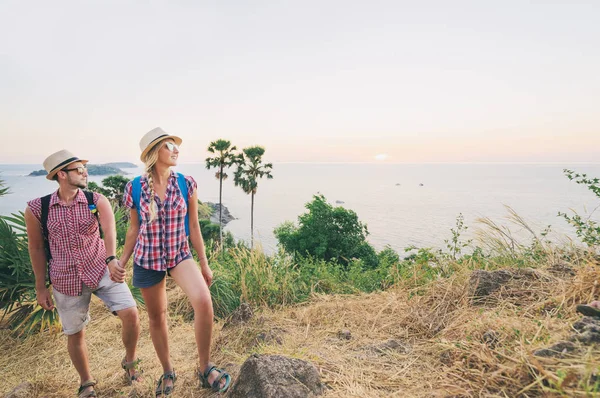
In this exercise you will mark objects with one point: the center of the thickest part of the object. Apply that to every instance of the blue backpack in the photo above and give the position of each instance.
(136, 190)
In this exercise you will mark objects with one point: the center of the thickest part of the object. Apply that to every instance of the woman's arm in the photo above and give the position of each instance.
(130, 237)
(196, 237)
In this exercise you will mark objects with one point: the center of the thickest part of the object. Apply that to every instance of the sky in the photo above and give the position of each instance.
(311, 81)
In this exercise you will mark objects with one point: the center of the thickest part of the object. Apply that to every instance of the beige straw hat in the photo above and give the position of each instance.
(153, 137)
(58, 161)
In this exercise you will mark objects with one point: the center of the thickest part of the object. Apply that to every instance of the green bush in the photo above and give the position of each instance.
(328, 233)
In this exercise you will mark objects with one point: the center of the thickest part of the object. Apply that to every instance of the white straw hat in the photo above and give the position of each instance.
(153, 137)
(58, 161)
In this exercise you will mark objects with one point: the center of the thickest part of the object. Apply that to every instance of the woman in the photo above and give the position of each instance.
(157, 239)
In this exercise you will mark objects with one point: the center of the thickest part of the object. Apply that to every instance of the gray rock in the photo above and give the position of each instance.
(241, 315)
(345, 334)
(557, 350)
(586, 321)
(490, 338)
(392, 345)
(276, 376)
(270, 336)
(483, 283)
(23, 390)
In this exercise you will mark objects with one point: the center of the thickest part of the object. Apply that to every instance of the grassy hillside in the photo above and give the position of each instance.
(413, 340)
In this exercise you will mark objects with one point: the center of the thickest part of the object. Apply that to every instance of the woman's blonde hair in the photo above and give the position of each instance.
(149, 162)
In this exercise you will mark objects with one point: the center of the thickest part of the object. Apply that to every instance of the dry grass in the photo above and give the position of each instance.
(439, 348)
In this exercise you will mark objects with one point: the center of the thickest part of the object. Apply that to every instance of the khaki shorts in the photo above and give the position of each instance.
(74, 310)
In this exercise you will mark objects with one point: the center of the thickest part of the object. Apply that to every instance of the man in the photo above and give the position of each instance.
(80, 262)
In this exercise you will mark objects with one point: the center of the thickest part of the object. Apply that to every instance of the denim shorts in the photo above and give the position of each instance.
(143, 277)
(74, 310)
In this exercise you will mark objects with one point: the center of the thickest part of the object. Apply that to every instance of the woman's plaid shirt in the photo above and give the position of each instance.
(162, 244)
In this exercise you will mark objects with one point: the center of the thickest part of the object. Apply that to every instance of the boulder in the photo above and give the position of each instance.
(483, 283)
(276, 376)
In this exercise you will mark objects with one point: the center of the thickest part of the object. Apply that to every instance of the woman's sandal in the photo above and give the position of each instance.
(160, 389)
(81, 393)
(127, 366)
(216, 384)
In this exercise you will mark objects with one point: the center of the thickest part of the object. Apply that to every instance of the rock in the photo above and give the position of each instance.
(23, 390)
(339, 202)
(226, 216)
(241, 315)
(270, 336)
(276, 376)
(483, 283)
(561, 270)
(420, 185)
(557, 350)
(490, 338)
(584, 322)
(392, 345)
(398, 184)
(345, 334)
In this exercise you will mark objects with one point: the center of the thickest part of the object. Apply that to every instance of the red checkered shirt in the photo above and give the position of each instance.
(162, 244)
(77, 251)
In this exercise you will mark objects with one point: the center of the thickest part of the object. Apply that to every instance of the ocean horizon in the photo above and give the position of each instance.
(402, 204)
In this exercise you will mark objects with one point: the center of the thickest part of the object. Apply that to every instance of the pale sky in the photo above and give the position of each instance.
(311, 81)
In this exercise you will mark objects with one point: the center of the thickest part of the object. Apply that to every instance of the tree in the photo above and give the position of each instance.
(250, 169)
(226, 158)
(328, 233)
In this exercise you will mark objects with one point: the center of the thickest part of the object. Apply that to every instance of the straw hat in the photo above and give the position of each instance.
(153, 137)
(58, 161)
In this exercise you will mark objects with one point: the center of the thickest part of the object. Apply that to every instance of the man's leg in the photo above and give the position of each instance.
(130, 333)
(79, 355)
(119, 300)
(73, 313)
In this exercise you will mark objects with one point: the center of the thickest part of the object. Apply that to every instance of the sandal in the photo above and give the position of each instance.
(588, 310)
(86, 394)
(216, 384)
(127, 366)
(160, 390)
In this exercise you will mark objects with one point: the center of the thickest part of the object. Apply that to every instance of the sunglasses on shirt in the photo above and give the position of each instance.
(80, 169)
(171, 146)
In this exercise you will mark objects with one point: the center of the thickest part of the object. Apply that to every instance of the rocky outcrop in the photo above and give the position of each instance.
(226, 216)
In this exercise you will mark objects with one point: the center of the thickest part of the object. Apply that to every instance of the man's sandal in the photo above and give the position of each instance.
(216, 384)
(81, 393)
(127, 366)
(160, 389)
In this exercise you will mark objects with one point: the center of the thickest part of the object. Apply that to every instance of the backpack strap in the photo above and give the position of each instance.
(89, 195)
(136, 191)
(184, 191)
(44, 223)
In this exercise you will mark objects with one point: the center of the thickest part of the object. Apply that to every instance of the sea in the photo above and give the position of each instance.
(403, 205)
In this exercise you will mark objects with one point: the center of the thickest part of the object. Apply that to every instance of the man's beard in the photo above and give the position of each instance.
(78, 184)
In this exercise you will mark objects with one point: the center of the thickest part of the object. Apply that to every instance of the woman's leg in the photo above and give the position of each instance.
(155, 298)
(188, 276)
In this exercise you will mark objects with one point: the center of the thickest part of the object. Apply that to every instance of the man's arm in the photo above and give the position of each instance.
(37, 255)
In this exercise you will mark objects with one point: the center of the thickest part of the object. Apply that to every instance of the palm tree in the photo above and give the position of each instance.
(249, 170)
(226, 158)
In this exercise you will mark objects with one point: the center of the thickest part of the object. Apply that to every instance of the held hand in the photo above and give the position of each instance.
(207, 274)
(117, 273)
(44, 299)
